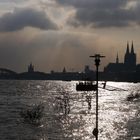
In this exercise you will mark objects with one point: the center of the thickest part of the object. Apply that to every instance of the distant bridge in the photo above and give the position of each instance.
(6, 72)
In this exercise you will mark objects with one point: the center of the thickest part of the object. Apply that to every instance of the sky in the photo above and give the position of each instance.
(53, 34)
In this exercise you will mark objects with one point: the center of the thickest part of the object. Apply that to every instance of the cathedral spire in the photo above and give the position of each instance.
(132, 48)
(127, 50)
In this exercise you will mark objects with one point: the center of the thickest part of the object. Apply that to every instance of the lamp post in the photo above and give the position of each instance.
(97, 63)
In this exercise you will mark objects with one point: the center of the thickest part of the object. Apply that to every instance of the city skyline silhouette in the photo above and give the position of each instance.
(62, 33)
(66, 65)
(128, 70)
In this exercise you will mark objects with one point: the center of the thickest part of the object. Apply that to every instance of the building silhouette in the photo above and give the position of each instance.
(129, 64)
(64, 70)
(30, 68)
(128, 70)
(130, 57)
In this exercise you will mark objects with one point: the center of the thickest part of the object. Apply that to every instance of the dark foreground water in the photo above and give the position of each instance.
(67, 113)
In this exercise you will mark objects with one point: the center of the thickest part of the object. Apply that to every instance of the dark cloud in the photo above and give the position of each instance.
(8, 1)
(104, 13)
(26, 17)
(99, 4)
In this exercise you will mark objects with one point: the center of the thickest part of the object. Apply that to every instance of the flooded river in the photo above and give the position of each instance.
(68, 114)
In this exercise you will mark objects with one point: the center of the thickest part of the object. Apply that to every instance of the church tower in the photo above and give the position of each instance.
(127, 55)
(30, 68)
(117, 59)
(133, 56)
(130, 57)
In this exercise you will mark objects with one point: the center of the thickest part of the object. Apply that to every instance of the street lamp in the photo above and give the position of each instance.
(97, 63)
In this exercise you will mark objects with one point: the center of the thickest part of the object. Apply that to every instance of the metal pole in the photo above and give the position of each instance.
(97, 102)
(97, 63)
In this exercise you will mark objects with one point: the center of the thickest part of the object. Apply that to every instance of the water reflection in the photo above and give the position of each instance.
(62, 103)
(67, 114)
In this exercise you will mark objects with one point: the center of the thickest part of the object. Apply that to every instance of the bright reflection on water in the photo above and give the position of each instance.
(68, 114)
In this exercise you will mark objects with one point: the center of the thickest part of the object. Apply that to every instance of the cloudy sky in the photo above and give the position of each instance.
(53, 34)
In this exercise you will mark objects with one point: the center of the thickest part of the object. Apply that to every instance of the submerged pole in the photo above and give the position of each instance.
(97, 63)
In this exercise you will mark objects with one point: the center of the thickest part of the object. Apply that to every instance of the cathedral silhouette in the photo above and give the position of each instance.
(130, 57)
(129, 64)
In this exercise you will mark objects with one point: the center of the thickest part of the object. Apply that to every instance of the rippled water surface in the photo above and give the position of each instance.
(67, 114)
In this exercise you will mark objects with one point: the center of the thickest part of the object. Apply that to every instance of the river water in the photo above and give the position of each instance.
(68, 114)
